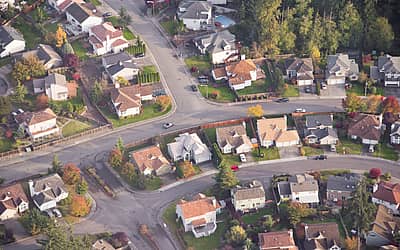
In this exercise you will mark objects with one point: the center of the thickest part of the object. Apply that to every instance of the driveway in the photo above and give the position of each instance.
(289, 152)
(17, 228)
(334, 91)
(392, 92)
(302, 91)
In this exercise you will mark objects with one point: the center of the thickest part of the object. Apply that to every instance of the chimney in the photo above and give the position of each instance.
(242, 57)
(374, 188)
(31, 189)
(214, 202)
(116, 85)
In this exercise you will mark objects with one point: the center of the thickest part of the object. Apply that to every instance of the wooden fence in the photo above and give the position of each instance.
(224, 123)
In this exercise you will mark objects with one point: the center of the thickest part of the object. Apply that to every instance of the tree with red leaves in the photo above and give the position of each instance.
(76, 76)
(8, 134)
(391, 105)
(71, 60)
(79, 206)
(375, 172)
(71, 174)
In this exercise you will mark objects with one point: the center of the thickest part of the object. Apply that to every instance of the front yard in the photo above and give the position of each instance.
(290, 91)
(258, 86)
(269, 154)
(222, 93)
(359, 89)
(201, 63)
(310, 151)
(385, 152)
(347, 146)
(74, 127)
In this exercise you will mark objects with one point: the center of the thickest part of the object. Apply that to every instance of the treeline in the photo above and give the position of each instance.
(316, 27)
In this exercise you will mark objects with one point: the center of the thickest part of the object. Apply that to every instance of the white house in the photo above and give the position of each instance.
(62, 5)
(104, 38)
(54, 86)
(126, 70)
(389, 70)
(11, 41)
(388, 195)
(199, 215)
(13, 201)
(241, 74)
(127, 101)
(273, 131)
(189, 147)
(301, 188)
(195, 15)
(251, 196)
(395, 133)
(233, 139)
(46, 55)
(47, 191)
(300, 70)
(81, 18)
(38, 124)
(339, 68)
(220, 46)
(5, 4)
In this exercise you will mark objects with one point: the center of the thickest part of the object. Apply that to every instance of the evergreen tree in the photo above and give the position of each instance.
(56, 165)
(287, 37)
(267, 19)
(226, 179)
(350, 27)
(382, 35)
(20, 92)
(120, 145)
(5, 105)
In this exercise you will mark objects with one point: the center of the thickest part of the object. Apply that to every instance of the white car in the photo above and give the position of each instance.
(168, 125)
(300, 110)
(57, 213)
(242, 157)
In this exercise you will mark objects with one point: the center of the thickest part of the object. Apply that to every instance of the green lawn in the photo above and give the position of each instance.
(153, 183)
(74, 127)
(149, 69)
(6, 145)
(169, 26)
(225, 93)
(80, 51)
(269, 154)
(258, 86)
(128, 35)
(31, 34)
(385, 152)
(231, 160)
(149, 111)
(291, 91)
(347, 146)
(114, 20)
(210, 133)
(359, 89)
(95, 2)
(202, 63)
(51, 27)
(252, 218)
(310, 151)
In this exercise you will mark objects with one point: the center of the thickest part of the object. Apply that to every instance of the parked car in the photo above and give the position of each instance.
(49, 213)
(234, 168)
(20, 111)
(107, 14)
(282, 100)
(333, 148)
(57, 213)
(242, 157)
(323, 85)
(168, 125)
(307, 89)
(300, 110)
(371, 148)
(193, 87)
(321, 157)
(137, 55)
(203, 80)
(159, 92)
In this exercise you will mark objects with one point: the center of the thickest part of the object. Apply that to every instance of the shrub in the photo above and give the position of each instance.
(115, 158)
(214, 94)
(80, 206)
(82, 187)
(375, 173)
(185, 169)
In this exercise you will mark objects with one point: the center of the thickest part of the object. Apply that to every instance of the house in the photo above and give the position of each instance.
(46, 55)
(61, 5)
(113, 59)
(322, 236)
(241, 74)
(221, 46)
(251, 196)
(339, 68)
(102, 244)
(199, 215)
(273, 131)
(81, 19)
(301, 188)
(217, 2)
(104, 38)
(395, 133)
(319, 130)
(281, 240)
(388, 195)
(39, 124)
(365, 127)
(55, 86)
(47, 191)
(13, 201)
(127, 101)
(11, 41)
(151, 160)
(195, 15)
(340, 188)
(127, 70)
(5, 4)
(189, 147)
(389, 70)
(299, 70)
(383, 228)
(233, 139)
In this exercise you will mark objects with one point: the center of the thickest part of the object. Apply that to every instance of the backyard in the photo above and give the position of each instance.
(253, 218)
(269, 154)
(30, 33)
(359, 89)
(79, 49)
(225, 94)
(74, 127)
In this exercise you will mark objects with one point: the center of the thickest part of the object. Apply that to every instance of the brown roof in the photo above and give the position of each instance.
(127, 97)
(365, 127)
(103, 30)
(324, 235)
(150, 157)
(277, 240)
(200, 205)
(275, 129)
(240, 71)
(385, 222)
(387, 191)
(119, 42)
(36, 117)
(219, 72)
(234, 135)
(11, 196)
(199, 222)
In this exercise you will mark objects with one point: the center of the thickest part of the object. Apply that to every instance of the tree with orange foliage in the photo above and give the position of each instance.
(185, 169)
(71, 174)
(79, 206)
(61, 36)
(163, 102)
(351, 243)
(391, 105)
(42, 101)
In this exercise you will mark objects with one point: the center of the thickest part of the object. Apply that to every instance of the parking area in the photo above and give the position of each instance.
(307, 91)
(16, 227)
(289, 152)
(334, 90)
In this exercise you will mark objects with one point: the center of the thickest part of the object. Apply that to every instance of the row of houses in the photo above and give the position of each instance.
(45, 193)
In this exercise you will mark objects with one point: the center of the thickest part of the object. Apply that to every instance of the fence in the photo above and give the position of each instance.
(249, 97)
(9, 154)
(224, 123)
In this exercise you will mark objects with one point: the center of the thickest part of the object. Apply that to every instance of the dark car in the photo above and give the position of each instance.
(308, 89)
(193, 87)
(282, 100)
(137, 55)
(107, 14)
(168, 125)
(321, 157)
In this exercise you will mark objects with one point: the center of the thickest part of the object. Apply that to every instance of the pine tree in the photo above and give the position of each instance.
(226, 179)
(120, 145)
(56, 165)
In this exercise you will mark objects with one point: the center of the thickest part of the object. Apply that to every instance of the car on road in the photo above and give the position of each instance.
(321, 157)
(242, 157)
(234, 168)
(193, 87)
(282, 100)
(300, 110)
(137, 55)
(57, 213)
(168, 125)
(107, 14)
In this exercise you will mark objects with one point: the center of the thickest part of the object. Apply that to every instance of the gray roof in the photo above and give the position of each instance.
(389, 63)
(284, 188)
(53, 181)
(78, 12)
(313, 121)
(9, 34)
(216, 42)
(253, 190)
(301, 65)
(194, 10)
(234, 135)
(322, 133)
(56, 79)
(395, 128)
(374, 73)
(303, 183)
(341, 62)
(114, 69)
(116, 58)
(343, 183)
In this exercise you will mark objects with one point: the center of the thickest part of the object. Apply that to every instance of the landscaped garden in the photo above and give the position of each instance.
(258, 86)
(74, 127)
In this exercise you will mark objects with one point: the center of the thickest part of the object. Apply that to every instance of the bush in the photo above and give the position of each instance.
(185, 169)
(115, 158)
(82, 187)
(214, 94)
(71, 174)
(35, 222)
(375, 173)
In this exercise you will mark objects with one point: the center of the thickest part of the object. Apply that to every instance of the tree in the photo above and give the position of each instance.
(56, 165)
(374, 103)
(287, 38)
(390, 105)
(297, 210)
(120, 145)
(330, 39)
(61, 36)
(351, 243)
(128, 169)
(42, 101)
(375, 173)
(20, 92)
(236, 235)
(226, 178)
(96, 93)
(58, 238)
(67, 48)
(5, 105)
(185, 169)
(350, 27)
(163, 102)
(267, 13)
(71, 174)
(125, 18)
(69, 107)
(71, 60)
(382, 34)
(256, 111)
(40, 15)
(82, 187)
(115, 158)
(269, 222)
(27, 68)
(79, 206)
(387, 176)
(362, 77)
(35, 221)
(315, 54)
(354, 103)
(122, 81)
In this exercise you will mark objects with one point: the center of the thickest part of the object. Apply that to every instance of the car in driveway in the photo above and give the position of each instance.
(193, 87)
(137, 55)
(234, 168)
(300, 110)
(243, 158)
(168, 125)
(282, 100)
(57, 212)
(49, 213)
(107, 14)
(321, 157)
